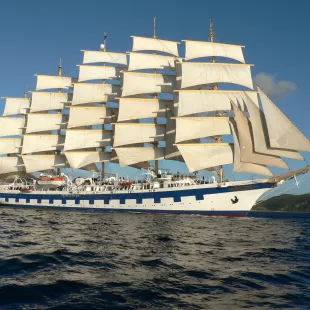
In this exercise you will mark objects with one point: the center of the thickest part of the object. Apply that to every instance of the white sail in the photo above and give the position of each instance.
(199, 101)
(41, 122)
(282, 132)
(44, 101)
(87, 73)
(247, 153)
(140, 61)
(100, 56)
(260, 133)
(35, 163)
(91, 168)
(11, 164)
(195, 73)
(188, 128)
(136, 108)
(42, 142)
(206, 155)
(53, 81)
(152, 44)
(91, 92)
(81, 159)
(14, 106)
(83, 138)
(131, 133)
(133, 155)
(135, 83)
(197, 49)
(10, 145)
(240, 166)
(84, 116)
(171, 150)
(11, 126)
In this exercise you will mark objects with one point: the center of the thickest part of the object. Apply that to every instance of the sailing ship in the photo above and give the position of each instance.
(158, 107)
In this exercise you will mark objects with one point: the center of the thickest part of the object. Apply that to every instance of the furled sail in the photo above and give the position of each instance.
(188, 128)
(53, 81)
(87, 73)
(206, 155)
(132, 133)
(10, 145)
(41, 122)
(84, 116)
(197, 49)
(83, 138)
(140, 61)
(247, 153)
(195, 73)
(133, 155)
(260, 133)
(200, 101)
(137, 108)
(79, 159)
(45, 101)
(135, 83)
(14, 106)
(105, 57)
(42, 142)
(11, 126)
(240, 166)
(35, 163)
(153, 44)
(91, 92)
(282, 132)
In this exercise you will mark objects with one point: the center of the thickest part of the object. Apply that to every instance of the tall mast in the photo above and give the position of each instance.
(219, 139)
(58, 171)
(105, 36)
(155, 96)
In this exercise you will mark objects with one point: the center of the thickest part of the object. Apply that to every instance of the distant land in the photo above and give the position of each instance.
(285, 203)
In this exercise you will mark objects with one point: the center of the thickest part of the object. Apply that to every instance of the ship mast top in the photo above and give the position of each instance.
(105, 35)
(211, 31)
(154, 36)
(60, 68)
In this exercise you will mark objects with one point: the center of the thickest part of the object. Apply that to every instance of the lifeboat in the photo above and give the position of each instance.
(26, 190)
(50, 181)
(126, 183)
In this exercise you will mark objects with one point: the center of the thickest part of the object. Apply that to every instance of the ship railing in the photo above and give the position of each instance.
(90, 188)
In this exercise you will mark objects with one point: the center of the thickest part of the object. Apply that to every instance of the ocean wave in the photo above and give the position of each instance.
(49, 260)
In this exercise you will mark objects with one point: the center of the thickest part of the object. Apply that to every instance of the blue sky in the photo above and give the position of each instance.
(34, 34)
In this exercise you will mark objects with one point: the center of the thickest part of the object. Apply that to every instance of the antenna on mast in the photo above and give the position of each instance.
(212, 34)
(154, 28)
(26, 92)
(103, 46)
(60, 67)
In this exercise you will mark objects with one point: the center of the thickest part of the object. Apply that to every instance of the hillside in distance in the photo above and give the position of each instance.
(285, 203)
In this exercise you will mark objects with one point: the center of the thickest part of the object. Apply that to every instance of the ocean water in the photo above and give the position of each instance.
(89, 260)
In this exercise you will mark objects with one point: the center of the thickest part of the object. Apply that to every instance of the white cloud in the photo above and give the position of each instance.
(273, 87)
